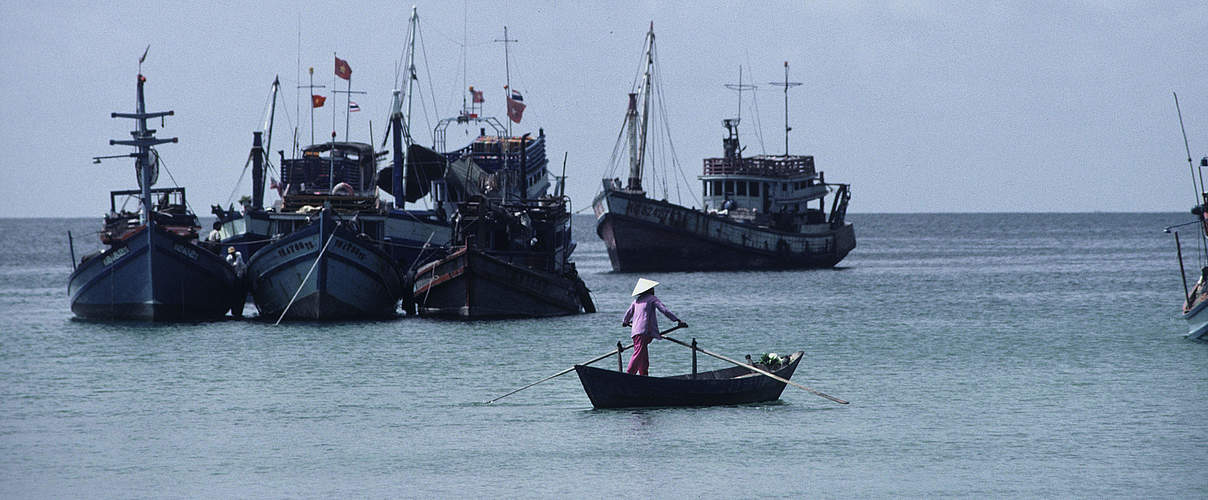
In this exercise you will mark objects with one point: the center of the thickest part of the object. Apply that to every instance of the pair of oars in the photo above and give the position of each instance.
(665, 337)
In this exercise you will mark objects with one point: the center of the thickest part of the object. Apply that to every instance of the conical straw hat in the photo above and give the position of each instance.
(643, 285)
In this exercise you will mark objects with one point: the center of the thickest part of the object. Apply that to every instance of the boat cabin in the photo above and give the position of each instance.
(492, 153)
(170, 210)
(763, 184)
(341, 173)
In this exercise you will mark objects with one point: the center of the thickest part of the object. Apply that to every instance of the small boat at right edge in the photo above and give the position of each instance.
(1195, 298)
(760, 212)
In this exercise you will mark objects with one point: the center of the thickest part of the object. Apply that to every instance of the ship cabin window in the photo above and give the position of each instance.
(729, 187)
(784, 187)
(716, 188)
(754, 189)
(742, 188)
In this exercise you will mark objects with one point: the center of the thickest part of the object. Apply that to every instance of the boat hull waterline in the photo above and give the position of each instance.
(649, 235)
(472, 284)
(352, 279)
(154, 275)
(728, 386)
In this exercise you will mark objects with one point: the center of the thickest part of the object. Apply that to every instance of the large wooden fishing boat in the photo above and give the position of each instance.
(765, 211)
(327, 266)
(151, 266)
(727, 386)
(508, 260)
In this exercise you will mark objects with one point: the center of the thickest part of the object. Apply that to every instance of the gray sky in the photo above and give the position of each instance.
(921, 106)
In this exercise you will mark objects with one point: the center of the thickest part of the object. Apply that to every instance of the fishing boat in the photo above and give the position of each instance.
(508, 260)
(764, 211)
(1195, 298)
(727, 386)
(323, 263)
(151, 266)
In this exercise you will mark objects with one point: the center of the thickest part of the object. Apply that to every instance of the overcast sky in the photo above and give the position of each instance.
(920, 106)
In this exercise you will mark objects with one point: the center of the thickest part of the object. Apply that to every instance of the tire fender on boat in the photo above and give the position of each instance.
(343, 188)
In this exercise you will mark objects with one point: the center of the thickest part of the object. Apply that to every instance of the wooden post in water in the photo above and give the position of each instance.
(693, 357)
(620, 359)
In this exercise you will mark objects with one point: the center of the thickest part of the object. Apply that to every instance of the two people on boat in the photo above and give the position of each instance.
(642, 318)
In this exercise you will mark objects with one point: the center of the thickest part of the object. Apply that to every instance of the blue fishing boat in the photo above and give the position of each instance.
(151, 266)
(324, 261)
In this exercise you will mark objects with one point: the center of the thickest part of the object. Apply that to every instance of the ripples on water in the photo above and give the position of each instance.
(985, 355)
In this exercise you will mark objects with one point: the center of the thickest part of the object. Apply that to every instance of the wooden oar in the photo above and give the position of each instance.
(757, 370)
(568, 370)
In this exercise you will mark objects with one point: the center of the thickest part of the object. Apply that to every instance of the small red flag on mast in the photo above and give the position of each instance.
(316, 101)
(515, 106)
(343, 70)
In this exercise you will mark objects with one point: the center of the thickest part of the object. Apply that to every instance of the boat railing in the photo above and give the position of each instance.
(764, 166)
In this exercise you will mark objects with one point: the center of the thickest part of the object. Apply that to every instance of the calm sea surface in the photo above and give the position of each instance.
(996, 355)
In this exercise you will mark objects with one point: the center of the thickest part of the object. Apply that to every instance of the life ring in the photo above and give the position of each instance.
(345, 187)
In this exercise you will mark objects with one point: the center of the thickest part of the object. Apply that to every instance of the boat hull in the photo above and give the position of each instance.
(736, 385)
(1197, 321)
(153, 275)
(352, 279)
(649, 235)
(472, 284)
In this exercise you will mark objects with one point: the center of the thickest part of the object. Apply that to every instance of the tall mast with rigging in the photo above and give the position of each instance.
(146, 161)
(635, 167)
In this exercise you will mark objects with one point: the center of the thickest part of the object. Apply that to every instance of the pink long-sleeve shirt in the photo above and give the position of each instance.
(641, 315)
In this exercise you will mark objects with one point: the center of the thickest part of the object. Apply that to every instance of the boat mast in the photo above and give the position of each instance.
(631, 118)
(635, 171)
(259, 153)
(505, 145)
(143, 140)
(311, 91)
(411, 70)
(787, 85)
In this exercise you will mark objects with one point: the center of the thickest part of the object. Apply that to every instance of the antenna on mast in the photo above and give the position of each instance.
(740, 87)
(787, 85)
(507, 68)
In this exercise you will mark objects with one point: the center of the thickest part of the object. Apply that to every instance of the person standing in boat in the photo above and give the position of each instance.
(235, 259)
(645, 326)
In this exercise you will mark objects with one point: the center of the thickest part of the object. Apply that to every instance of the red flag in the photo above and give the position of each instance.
(515, 106)
(476, 95)
(316, 101)
(343, 70)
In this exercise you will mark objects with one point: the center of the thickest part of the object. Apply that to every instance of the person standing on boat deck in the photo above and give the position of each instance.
(235, 259)
(641, 316)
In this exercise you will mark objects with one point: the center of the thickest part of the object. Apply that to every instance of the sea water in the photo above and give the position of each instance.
(984, 355)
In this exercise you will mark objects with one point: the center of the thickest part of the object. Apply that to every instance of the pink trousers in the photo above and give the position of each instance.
(639, 363)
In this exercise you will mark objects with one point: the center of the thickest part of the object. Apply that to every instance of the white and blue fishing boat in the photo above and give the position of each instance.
(1195, 298)
(152, 266)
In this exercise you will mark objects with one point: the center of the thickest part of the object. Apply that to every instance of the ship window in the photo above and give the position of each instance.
(716, 188)
(754, 189)
(729, 187)
(742, 188)
(784, 187)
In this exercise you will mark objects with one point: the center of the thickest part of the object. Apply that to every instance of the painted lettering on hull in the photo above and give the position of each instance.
(350, 248)
(295, 247)
(185, 250)
(115, 255)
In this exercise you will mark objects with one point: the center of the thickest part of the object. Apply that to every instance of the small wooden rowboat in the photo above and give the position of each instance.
(735, 385)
